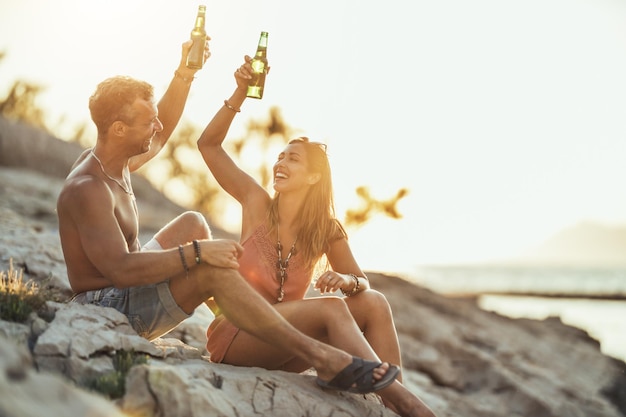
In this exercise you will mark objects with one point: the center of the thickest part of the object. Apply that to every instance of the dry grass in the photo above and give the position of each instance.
(18, 298)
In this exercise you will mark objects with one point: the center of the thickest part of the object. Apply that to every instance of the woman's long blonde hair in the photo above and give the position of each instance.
(318, 226)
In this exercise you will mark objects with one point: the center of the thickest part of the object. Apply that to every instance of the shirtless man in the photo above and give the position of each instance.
(161, 284)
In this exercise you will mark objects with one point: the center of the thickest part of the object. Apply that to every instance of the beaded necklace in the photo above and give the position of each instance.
(283, 264)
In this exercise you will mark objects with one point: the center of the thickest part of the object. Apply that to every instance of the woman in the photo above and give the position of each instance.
(284, 237)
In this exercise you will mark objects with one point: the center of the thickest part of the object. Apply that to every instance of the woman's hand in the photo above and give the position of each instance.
(331, 281)
(243, 74)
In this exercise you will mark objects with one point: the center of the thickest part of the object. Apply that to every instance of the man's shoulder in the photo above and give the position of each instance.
(80, 159)
(82, 185)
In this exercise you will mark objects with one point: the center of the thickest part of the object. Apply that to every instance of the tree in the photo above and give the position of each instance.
(371, 206)
(179, 171)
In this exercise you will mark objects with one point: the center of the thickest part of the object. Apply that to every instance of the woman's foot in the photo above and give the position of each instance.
(403, 402)
(330, 362)
(358, 377)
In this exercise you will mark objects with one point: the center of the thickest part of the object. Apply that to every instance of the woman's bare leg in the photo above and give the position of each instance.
(189, 293)
(324, 319)
(373, 315)
(327, 319)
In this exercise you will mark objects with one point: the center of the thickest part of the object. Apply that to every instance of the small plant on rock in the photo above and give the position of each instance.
(113, 384)
(17, 297)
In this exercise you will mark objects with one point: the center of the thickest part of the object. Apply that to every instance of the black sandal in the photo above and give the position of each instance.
(358, 377)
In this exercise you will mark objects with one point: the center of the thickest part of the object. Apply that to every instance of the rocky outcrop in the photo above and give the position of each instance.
(79, 343)
(461, 360)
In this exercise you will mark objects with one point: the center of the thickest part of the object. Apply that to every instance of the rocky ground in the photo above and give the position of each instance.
(459, 359)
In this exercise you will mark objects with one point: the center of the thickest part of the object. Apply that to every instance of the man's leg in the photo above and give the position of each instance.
(183, 229)
(246, 309)
(242, 304)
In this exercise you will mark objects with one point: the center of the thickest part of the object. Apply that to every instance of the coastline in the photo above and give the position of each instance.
(591, 298)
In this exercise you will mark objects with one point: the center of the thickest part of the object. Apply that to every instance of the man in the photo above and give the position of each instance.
(161, 284)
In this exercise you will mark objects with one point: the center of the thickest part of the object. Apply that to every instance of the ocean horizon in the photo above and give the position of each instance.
(590, 298)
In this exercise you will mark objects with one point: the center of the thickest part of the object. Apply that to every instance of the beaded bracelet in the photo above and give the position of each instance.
(196, 246)
(183, 260)
(355, 289)
(185, 79)
(230, 106)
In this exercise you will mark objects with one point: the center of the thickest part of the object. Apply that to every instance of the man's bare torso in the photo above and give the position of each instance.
(75, 221)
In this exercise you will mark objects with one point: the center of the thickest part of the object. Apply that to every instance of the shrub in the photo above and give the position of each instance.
(17, 297)
(113, 384)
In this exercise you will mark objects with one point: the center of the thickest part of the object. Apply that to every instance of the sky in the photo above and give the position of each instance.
(503, 119)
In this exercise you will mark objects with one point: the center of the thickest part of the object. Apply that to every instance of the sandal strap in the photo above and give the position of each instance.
(359, 372)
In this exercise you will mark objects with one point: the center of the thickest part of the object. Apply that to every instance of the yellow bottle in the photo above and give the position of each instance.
(259, 69)
(195, 59)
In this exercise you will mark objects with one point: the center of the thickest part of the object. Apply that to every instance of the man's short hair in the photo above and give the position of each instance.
(113, 99)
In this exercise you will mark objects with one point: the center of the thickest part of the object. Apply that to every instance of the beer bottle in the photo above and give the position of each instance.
(259, 69)
(195, 59)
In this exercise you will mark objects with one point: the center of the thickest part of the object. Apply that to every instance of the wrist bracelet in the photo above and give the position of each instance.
(196, 246)
(355, 289)
(185, 79)
(183, 260)
(228, 105)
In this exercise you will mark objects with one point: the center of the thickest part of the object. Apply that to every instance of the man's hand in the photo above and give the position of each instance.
(221, 252)
(185, 48)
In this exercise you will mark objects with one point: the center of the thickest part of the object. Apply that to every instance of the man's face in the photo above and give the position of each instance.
(145, 124)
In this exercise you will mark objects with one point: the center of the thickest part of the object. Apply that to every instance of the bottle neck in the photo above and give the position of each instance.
(261, 50)
(199, 23)
(261, 53)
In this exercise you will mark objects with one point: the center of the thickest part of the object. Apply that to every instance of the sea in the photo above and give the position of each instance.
(592, 299)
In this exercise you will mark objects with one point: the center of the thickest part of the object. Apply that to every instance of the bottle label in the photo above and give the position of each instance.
(258, 66)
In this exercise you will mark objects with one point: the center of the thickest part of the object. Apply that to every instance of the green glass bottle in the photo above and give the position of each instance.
(259, 69)
(195, 59)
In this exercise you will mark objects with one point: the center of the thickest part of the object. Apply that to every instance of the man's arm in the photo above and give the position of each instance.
(171, 106)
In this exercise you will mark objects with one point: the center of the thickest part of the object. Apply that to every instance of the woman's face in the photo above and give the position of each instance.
(291, 171)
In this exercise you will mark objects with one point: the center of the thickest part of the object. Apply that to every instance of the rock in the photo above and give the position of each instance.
(461, 360)
(81, 341)
(197, 388)
(29, 393)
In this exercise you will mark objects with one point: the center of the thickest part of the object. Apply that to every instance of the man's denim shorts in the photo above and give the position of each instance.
(151, 309)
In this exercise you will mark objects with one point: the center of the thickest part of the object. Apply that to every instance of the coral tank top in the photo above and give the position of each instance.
(259, 266)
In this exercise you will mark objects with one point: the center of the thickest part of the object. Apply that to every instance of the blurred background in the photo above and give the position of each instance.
(477, 147)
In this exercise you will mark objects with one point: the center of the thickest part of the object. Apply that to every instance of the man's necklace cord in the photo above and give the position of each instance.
(127, 188)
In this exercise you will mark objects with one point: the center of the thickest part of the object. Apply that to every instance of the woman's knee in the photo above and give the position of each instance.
(333, 306)
(376, 298)
(370, 301)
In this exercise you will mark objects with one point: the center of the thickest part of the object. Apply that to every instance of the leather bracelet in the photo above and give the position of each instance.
(230, 106)
(183, 260)
(355, 289)
(196, 246)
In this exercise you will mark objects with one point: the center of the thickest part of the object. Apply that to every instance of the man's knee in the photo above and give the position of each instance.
(196, 223)
(186, 227)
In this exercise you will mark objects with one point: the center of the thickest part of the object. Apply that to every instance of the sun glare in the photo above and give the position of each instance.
(503, 136)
